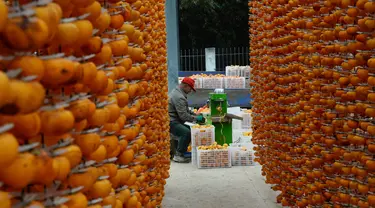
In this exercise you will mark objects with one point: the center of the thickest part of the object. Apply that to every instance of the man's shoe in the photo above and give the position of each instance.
(180, 159)
(187, 155)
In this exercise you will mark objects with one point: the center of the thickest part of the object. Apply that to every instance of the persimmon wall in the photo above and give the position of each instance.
(83, 103)
(314, 102)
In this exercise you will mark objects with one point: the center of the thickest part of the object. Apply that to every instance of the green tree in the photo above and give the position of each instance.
(213, 23)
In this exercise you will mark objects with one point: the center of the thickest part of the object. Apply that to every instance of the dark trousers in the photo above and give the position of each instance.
(182, 131)
(174, 144)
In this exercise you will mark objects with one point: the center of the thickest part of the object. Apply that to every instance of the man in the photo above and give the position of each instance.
(179, 113)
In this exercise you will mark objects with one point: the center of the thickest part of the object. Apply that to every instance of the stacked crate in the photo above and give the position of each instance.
(241, 148)
(206, 153)
(240, 136)
(239, 71)
(201, 135)
(234, 82)
(214, 158)
(246, 122)
(241, 154)
(212, 82)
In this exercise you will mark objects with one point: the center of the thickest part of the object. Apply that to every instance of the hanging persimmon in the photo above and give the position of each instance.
(4, 14)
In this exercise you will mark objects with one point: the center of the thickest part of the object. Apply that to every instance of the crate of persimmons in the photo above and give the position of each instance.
(241, 154)
(202, 135)
(213, 156)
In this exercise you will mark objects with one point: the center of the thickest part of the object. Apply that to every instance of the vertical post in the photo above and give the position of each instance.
(217, 56)
(230, 57)
(196, 60)
(221, 56)
(210, 55)
(243, 56)
(173, 47)
(247, 56)
(239, 54)
(185, 62)
(226, 57)
(201, 59)
(189, 57)
(181, 60)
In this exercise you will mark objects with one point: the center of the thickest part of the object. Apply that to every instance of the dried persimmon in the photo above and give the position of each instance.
(9, 150)
(58, 71)
(30, 65)
(5, 96)
(56, 122)
(3, 14)
(14, 175)
(88, 143)
(67, 33)
(26, 97)
(102, 22)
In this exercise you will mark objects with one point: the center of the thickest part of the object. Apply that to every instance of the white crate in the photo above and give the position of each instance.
(245, 71)
(203, 136)
(213, 158)
(234, 82)
(194, 156)
(247, 83)
(240, 71)
(236, 124)
(248, 146)
(239, 137)
(212, 82)
(246, 122)
(232, 70)
(240, 157)
(234, 110)
(198, 83)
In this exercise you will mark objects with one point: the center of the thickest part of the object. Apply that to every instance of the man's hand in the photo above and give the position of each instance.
(200, 118)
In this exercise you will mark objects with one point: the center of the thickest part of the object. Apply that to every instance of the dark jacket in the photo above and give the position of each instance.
(178, 107)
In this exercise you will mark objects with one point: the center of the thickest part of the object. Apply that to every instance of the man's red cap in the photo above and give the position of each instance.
(189, 81)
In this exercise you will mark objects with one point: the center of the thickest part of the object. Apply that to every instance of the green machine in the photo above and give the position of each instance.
(219, 117)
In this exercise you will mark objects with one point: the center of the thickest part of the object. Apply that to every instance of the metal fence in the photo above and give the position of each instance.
(194, 59)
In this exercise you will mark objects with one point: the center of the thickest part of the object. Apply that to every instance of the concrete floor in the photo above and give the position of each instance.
(236, 187)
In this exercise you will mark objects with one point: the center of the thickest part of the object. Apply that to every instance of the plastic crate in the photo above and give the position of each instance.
(212, 82)
(194, 156)
(240, 157)
(246, 122)
(202, 136)
(198, 83)
(247, 83)
(234, 82)
(238, 136)
(232, 71)
(213, 158)
(236, 124)
(240, 71)
(245, 71)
